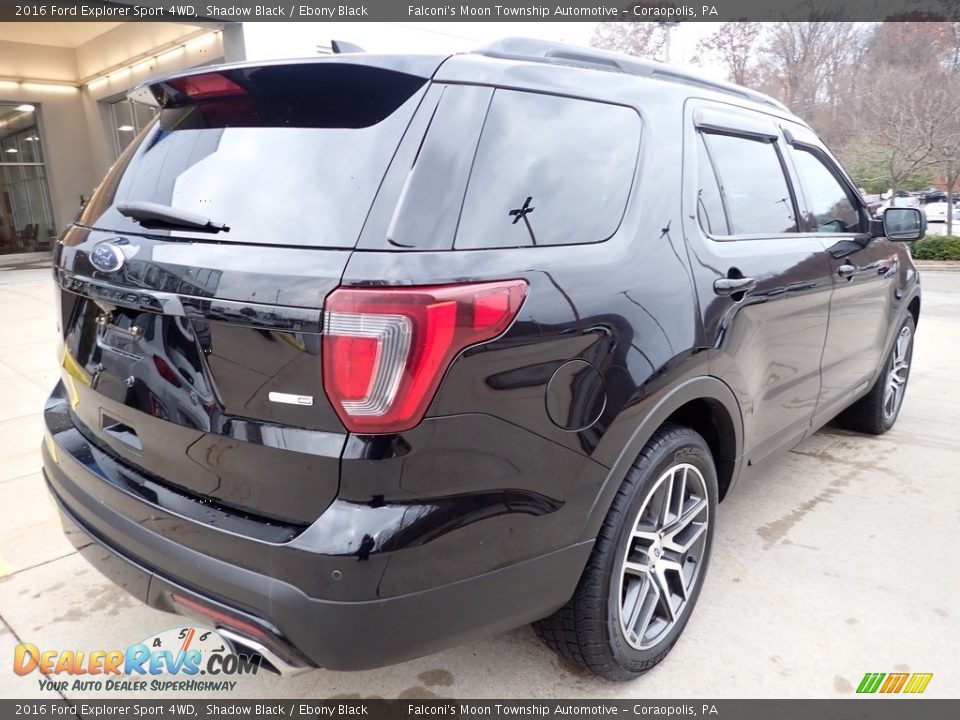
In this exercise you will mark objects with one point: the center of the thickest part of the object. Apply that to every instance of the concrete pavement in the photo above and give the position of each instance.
(841, 560)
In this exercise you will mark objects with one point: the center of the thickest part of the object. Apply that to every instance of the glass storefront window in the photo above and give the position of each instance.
(26, 215)
(129, 118)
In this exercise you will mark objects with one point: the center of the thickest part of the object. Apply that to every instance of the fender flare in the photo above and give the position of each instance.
(704, 387)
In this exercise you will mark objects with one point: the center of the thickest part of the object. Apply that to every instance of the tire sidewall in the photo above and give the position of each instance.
(686, 447)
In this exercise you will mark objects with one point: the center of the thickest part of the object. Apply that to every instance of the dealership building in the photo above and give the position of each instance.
(65, 117)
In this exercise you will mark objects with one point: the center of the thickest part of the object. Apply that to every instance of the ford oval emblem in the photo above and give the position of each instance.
(106, 257)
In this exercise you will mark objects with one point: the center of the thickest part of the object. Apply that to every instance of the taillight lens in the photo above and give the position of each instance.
(166, 372)
(385, 350)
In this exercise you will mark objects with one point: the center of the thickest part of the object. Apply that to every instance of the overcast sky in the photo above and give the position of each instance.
(285, 40)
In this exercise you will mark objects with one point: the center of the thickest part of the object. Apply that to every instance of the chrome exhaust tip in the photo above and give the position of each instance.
(269, 660)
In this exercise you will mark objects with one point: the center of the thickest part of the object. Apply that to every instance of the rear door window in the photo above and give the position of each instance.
(549, 170)
(753, 185)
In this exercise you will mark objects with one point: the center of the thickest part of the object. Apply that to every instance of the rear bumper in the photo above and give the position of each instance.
(135, 543)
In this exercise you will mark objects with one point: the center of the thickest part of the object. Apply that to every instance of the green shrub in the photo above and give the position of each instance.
(937, 247)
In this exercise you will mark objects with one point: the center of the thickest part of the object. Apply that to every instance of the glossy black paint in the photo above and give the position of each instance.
(184, 467)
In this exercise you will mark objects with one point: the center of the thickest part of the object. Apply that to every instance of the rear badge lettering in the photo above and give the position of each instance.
(289, 399)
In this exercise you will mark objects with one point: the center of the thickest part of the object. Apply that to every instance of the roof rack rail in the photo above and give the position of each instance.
(521, 48)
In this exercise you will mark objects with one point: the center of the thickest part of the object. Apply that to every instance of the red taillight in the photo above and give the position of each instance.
(166, 372)
(207, 86)
(385, 350)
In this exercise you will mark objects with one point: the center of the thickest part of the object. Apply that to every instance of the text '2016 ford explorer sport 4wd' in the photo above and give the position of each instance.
(365, 356)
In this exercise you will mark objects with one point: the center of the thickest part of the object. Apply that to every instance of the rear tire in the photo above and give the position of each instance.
(877, 411)
(647, 567)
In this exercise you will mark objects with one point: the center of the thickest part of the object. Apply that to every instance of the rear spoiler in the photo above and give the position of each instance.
(167, 90)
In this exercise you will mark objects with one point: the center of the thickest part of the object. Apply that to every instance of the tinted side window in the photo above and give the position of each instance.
(549, 171)
(831, 210)
(710, 210)
(753, 185)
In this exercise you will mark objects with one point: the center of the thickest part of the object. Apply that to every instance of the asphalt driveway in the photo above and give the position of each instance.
(841, 560)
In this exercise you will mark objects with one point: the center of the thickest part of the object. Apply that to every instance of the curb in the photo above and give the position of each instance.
(938, 266)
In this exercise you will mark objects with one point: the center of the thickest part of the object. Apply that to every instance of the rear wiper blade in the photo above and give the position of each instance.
(154, 215)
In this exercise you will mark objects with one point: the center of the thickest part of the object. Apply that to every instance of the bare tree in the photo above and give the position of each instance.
(913, 124)
(912, 45)
(952, 55)
(949, 164)
(643, 39)
(951, 176)
(799, 60)
(734, 47)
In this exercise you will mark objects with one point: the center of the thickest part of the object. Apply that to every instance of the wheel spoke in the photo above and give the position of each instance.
(903, 342)
(681, 543)
(685, 518)
(666, 497)
(663, 589)
(642, 609)
(647, 536)
(643, 619)
(634, 568)
(633, 600)
(888, 395)
(675, 567)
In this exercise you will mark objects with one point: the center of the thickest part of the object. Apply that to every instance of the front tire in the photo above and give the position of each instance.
(647, 567)
(877, 411)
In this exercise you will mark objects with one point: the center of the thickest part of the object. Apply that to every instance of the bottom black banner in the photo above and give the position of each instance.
(893, 708)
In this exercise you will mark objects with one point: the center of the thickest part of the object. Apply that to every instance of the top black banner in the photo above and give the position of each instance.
(485, 11)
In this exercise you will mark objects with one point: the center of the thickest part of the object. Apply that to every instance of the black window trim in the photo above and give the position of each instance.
(702, 129)
(733, 122)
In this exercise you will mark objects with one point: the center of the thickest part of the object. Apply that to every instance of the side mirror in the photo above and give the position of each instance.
(904, 224)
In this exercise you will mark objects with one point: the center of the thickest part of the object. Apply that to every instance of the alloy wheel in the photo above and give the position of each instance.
(664, 555)
(897, 375)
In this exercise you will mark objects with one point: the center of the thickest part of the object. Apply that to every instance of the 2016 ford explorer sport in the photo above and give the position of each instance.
(366, 356)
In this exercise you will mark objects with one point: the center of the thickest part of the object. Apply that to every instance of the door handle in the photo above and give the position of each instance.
(732, 286)
(846, 271)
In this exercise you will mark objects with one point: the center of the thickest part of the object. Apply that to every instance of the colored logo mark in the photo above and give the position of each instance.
(913, 683)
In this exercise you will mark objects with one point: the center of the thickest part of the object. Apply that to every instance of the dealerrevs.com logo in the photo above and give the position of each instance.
(180, 659)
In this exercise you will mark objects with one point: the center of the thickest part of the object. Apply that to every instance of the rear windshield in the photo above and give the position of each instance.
(284, 155)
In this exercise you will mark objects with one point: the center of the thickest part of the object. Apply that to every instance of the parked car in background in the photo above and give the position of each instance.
(367, 356)
(899, 201)
(937, 211)
(934, 196)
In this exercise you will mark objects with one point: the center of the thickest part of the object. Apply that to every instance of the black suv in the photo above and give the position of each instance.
(366, 356)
